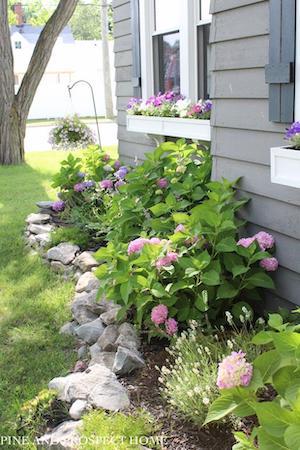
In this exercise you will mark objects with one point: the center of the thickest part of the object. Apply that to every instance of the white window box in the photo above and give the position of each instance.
(170, 126)
(285, 166)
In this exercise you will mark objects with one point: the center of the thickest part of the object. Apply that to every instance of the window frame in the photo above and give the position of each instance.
(190, 21)
(297, 66)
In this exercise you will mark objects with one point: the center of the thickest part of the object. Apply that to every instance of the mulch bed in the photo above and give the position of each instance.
(179, 434)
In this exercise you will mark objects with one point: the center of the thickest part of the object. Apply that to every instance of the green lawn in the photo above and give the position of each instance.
(33, 301)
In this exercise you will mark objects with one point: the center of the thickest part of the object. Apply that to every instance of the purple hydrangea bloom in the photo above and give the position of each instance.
(269, 264)
(246, 242)
(265, 240)
(58, 206)
(117, 164)
(106, 184)
(171, 326)
(119, 183)
(136, 245)
(121, 173)
(89, 184)
(81, 174)
(180, 228)
(159, 314)
(207, 106)
(79, 187)
(132, 102)
(294, 129)
(162, 183)
(167, 260)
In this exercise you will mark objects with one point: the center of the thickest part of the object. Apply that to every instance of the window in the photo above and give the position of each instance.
(18, 45)
(174, 37)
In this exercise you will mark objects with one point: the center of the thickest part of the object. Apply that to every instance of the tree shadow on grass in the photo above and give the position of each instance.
(33, 301)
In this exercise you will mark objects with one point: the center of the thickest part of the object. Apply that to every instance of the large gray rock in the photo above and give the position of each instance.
(126, 361)
(44, 204)
(64, 437)
(91, 331)
(31, 240)
(82, 352)
(86, 308)
(111, 316)
(40, 229)
(97, 385)
(128, 334)
(85, 262)
(87, 283)
(108, 338)
(59, 267)
(43, 239)
(64, 253)
(105, 359)
(68, 328)
(38, 218)
(78, 408)
(130, 343)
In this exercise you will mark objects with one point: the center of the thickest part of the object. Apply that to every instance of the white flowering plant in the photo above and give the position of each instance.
(189, 379)
(71, 133)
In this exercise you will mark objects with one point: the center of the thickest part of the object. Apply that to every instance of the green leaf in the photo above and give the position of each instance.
(210, 278)
(183, 314)
(202, 260)
(231, 260)
(227, 290)
(273, 418)
(258, 257)
(285, 378)
(287, 342)
(125, 291)
(101, 271)
(159, 209)
(261, 279)
(229, 402)
(267, 363)
(275, 321)
(263, 338)
(292, 436)
(226, 245)
(268, 442)
(142, 281)
(239, 270)
(171, 200)
(158, 290)
(201, 302)
(180, 218)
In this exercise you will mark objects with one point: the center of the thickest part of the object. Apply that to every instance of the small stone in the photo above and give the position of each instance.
(38, 218)
(68, 328)
(110, 317)
(77, 275)
(91, 331)
(64, 253)
(43, 239)
(130, 343)
(85, 262)
(126, 361)
(82, 352)
(40, 229)
(87, 283)
(44, 204)
(31, 240)
(64, 437)
(59, 267)
(78, 408)
(105, 359)
(108, 338)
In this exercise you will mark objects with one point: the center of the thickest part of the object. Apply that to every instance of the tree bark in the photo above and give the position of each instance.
(14, 109)
(109, 111)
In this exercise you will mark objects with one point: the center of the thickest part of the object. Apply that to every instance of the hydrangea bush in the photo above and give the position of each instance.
(170, 104)
(242, 383)
(71, 133)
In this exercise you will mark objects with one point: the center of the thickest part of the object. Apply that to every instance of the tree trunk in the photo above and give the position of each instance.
(14, 109)
(109, 111)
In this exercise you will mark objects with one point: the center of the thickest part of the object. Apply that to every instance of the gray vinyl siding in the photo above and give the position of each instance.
(131, 145)
(242, 133)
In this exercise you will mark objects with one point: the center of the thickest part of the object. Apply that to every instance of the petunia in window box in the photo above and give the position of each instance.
(285, 161)
(170, 114)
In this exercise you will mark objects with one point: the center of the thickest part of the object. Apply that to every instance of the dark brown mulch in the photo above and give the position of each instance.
(178, 434)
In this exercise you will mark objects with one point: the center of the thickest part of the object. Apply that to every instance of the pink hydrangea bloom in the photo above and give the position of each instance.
(155, 241)
(106, 184)
(246, 242)
(265, 240)
(234, 371)
(269, 264)
(162, 183)
(171, 327)
(180, 228)
(166, 260)
(159, 314)
(136, 245)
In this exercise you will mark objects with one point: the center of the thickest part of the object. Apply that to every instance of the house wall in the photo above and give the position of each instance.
(242, 133)
(131, 145)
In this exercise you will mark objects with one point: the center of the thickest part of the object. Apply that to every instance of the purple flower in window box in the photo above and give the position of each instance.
(293, 135)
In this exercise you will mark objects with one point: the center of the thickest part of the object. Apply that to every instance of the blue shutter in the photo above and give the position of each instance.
(136, 48)
(280, 72)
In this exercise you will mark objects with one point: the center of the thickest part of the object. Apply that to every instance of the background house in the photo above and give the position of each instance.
(70, 61)
(250, 79)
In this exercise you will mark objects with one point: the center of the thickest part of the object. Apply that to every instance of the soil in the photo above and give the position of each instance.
(179, 434)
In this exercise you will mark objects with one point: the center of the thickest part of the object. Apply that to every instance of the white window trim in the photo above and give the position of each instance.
(188, 47)
(297, 77)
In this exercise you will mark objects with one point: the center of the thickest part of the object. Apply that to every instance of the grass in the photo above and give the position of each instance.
(33, 301)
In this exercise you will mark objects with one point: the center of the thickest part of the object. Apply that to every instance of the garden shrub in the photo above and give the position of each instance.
(118, 431)
(242, 383)
(41, 412)
(71, 133)
(189, 379)
(74, 235)
(198, 272)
